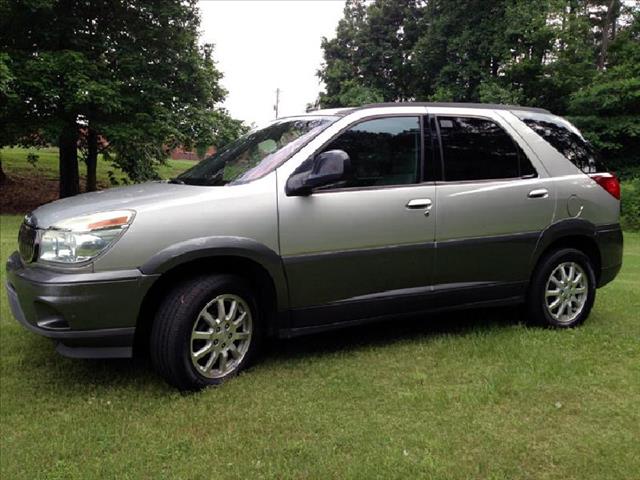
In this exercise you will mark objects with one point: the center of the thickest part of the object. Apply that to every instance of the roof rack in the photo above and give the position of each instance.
(492, 106)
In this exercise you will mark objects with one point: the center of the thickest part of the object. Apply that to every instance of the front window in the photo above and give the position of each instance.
(383, 151)
(257, 153)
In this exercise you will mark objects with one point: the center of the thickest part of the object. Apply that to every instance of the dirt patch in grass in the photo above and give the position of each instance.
(23, 193)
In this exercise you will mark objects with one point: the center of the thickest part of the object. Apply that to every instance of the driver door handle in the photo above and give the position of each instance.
(420, 204)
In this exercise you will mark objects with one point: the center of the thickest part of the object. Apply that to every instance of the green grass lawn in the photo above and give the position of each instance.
(471, 395)
(467, 395)
(14, 161)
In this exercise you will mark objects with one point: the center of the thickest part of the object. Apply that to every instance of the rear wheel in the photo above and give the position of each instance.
(562, 290)
(205, 331)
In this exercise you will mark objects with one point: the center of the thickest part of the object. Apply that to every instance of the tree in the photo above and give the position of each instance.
(608, 30)
(5, 92)
(129, 72)
(608, 108)
(341, 54)
(527, 35)
(413, 50)
(369, 60)
(460, 47)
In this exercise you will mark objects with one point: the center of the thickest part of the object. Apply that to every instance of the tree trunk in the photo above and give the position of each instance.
(92, 160)
(68, 145)
(609, 20)
(3, 176)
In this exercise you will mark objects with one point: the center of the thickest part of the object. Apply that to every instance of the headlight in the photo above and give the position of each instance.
(80, 239)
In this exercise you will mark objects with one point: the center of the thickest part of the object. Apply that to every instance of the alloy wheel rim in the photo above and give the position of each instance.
(221, 336)
(566, 292)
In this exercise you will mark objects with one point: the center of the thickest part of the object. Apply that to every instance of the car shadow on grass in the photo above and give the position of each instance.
(387, 332)
(80, 376)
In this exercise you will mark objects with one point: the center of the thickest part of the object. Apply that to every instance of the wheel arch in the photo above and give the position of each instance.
(255, 262)
(571, 233)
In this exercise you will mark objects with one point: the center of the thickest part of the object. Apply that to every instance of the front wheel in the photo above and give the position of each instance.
(562, 290)
(205, 331)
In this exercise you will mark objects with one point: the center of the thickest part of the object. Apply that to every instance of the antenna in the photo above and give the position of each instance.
(275, 107)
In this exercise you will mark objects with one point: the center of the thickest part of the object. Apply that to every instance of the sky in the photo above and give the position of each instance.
(264, 45)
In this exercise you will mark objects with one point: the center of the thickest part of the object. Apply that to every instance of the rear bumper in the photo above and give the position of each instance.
(90, 315)
(610, 243)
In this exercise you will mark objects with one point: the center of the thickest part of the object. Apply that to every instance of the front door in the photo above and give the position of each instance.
(367, 239)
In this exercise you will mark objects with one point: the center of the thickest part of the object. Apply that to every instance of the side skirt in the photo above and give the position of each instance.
(350, 313)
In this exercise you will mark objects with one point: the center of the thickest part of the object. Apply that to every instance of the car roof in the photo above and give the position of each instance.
(491, 106)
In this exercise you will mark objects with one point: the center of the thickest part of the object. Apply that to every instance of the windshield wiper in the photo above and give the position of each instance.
(215, 181)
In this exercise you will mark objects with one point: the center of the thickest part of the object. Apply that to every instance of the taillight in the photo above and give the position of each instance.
(609, 182)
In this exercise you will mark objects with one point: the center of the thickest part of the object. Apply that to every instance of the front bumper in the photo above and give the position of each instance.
(90, 315)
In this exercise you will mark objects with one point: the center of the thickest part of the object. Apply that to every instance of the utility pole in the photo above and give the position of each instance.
(275, 107)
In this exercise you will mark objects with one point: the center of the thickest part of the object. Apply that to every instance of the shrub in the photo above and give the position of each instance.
(630, 207)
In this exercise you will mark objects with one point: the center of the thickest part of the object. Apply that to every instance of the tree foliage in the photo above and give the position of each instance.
(574, 57)
(608, 108)
(129, 71)
(359, 70)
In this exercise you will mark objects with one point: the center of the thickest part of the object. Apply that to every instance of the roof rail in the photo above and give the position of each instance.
(492, 106)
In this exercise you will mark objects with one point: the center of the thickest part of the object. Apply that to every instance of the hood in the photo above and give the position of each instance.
(133, 197)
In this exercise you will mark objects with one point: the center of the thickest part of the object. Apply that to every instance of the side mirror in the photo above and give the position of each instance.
(327, 168)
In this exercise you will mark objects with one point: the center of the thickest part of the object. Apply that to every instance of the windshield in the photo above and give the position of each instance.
(257, 153)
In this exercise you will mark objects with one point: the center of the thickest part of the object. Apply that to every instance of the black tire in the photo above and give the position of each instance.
(171, 333)
(537, 311)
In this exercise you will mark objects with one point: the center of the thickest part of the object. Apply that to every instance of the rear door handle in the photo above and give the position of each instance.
(539, 193)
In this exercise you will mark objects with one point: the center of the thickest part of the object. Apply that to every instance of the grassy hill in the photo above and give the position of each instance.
(34, 183)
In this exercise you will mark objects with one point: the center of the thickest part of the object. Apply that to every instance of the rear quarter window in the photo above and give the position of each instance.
(566, 139)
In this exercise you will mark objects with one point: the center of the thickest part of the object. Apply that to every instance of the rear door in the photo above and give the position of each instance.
(494, 199)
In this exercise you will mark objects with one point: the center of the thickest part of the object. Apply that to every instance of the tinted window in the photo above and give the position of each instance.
(479, 149)
(385, 151)
(566, 139)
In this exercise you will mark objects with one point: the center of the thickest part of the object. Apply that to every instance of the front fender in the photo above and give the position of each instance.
(222, 246)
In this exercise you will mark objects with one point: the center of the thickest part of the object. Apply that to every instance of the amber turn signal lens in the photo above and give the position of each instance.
(110, 222)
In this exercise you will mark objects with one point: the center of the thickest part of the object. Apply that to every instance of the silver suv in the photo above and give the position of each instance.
(321, 221)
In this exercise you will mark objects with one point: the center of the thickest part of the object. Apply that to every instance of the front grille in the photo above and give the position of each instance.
(27, 242)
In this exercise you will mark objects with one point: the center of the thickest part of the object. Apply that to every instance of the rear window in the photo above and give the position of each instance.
(566, 139)
(479, 149)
